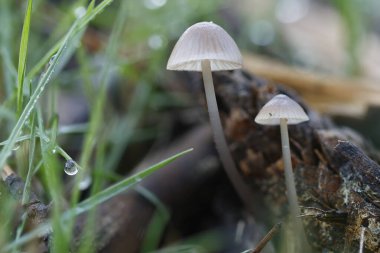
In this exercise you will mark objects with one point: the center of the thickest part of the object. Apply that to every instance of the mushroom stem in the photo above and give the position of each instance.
(220, 141)
(295, 211)
(289, 176)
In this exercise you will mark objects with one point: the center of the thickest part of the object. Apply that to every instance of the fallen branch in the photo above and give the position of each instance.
(36, 211)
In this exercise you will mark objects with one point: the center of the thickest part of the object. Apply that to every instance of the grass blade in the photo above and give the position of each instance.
(92, 13)
(32, 147)
(6, 151)
(119, 187)
(95, 200)
(158, 222)
(9, 72)
(76, 27)
(97, 111)
(22, 56)
(126, 128)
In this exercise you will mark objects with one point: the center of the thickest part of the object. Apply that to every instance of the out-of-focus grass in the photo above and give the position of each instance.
(60, 220)
(51, 43)
(352, 15)
(22, 56)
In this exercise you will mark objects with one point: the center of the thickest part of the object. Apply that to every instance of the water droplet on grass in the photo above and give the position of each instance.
(16, 147)
(70, 168)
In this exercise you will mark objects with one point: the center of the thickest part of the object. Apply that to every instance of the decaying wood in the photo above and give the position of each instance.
(332, 173)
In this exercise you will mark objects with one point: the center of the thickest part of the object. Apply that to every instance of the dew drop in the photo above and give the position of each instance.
(137, 179)
(16, 147)
(54, 151)
(70, 168)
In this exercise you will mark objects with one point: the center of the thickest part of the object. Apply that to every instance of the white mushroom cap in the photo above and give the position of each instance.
(205, 41)
(281, 107)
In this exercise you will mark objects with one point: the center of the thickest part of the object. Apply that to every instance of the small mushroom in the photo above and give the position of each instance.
(206, 47)
(283, 111)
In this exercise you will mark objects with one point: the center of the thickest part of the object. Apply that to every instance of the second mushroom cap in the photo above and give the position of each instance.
(281, 107)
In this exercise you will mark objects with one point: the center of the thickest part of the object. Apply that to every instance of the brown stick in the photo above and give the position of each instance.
(7, 171)
(260, 246)
(37, 212)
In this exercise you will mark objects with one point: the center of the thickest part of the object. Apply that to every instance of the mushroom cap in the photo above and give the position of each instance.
(205, 41)
(281, 107)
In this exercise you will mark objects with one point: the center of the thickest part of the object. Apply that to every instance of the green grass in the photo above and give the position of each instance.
(158, 222)
(76, 28)
(352, 16)
(22, 56)
(37, 68)
(89, 203)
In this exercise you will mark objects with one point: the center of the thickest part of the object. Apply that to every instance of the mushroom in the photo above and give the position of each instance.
(283, 111)
(206, 47)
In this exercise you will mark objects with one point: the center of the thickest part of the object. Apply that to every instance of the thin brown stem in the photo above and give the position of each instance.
(260, 246)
